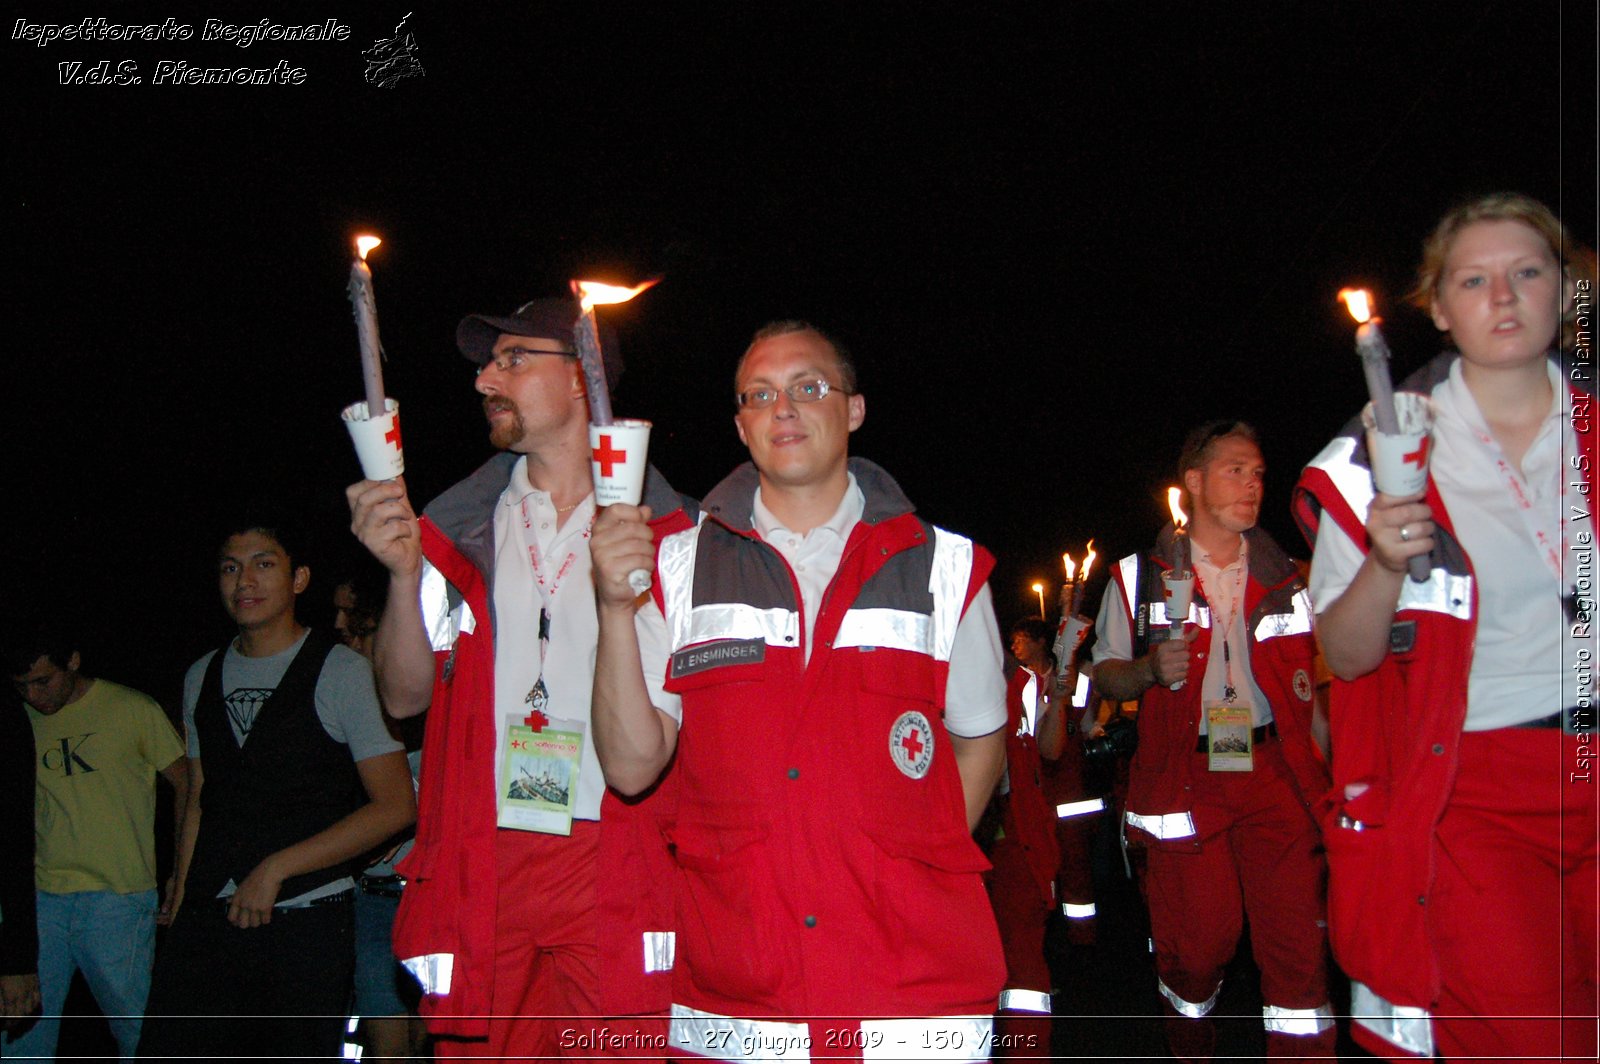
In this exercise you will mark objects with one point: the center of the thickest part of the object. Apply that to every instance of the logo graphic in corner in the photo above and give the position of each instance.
(393, 58)
(911, 744)
(1302, 684)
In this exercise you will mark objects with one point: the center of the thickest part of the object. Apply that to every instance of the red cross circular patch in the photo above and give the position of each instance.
(1302, 684)
(911, 744)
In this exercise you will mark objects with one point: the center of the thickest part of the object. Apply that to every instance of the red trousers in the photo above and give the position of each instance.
(1022, 1024)
(1260, 855)
(546, 970)
(1064, 782)
(1512, 913)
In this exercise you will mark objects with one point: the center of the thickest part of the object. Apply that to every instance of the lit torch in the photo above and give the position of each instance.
(1374, 352)
(365, 307)
(1083, 578)
(1179, 583)
(1180, 532)
(590, 295)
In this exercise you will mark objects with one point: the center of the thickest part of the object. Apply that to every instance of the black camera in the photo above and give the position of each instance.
(1121, 739)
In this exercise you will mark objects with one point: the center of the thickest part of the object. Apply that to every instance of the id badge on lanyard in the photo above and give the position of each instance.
(538, 773)
(1230, 736)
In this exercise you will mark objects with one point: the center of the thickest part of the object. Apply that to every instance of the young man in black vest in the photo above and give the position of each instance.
(300, 781)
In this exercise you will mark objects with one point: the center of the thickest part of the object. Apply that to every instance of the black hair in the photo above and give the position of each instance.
(1033, 628)
(48, 639)
(283, 530)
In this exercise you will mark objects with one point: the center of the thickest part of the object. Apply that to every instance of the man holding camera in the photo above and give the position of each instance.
(1226, 765)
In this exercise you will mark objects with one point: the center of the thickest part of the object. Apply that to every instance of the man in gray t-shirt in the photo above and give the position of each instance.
(347, 707)
(303, 781)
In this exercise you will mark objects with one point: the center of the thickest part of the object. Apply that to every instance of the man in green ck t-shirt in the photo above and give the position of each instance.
(99, 747)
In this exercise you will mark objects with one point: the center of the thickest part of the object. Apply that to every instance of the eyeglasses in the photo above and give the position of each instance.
(798, 392)
(512, 357)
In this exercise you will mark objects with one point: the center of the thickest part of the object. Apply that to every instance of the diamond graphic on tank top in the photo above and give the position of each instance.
(244, 703)
(911, 744)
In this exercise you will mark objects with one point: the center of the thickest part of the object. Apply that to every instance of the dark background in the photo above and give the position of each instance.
(1055, 235)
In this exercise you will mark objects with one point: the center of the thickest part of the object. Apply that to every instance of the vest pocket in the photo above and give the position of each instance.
(1361, 874)
(728, 900)
(933, 919)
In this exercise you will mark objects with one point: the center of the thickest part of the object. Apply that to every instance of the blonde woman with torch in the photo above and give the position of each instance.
(1461, 825)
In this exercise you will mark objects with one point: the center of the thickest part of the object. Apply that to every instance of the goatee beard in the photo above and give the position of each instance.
(502, 434)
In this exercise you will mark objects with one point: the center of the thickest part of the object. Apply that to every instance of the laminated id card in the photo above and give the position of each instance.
(1229, 734)
(538, 777)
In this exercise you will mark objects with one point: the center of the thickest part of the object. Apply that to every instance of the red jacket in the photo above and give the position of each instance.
(1278, 612)
(1397, 730)
(825, 863)
(444, 931)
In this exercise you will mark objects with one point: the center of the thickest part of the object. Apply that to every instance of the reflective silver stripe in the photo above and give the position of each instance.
(1198, 615)
(675, 564)
(1442, 592)
(1030, 705)
(1130, 584)
(950, 573)
(432, 971)
(1351, 481)
(660, 950)
(1296, 623)
(1165, 826)
(958, 1039)
(1025, 1001)
(1088, 805)
(1077, 912)
(1189, 1008)
(709, 1034)
(894, 629)
(351, 1050)
(1080, 694)
(441, 622)
(1405, 1026)
(735, 620)
(1304, 1022)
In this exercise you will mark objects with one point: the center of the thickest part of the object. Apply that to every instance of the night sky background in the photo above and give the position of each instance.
(1055, 236)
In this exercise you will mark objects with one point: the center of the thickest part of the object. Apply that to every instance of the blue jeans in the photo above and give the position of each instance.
(111, 938)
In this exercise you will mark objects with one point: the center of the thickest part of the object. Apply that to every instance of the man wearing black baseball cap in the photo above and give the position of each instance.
(491, 626)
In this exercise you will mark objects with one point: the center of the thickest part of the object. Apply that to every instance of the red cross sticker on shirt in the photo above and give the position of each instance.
(1418, 456)
(536, 720)
(393, 435)
(912, 745)
(608, 457)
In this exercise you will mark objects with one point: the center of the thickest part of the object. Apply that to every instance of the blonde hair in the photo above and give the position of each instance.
(1576, 260)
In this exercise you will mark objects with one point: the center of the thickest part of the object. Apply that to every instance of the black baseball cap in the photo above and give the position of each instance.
(548, 319)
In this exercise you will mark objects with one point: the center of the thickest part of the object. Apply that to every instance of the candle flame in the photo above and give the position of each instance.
(1179, 518)
(592, 294)
(365, 244)
(1088, 560)
(1358, 301)
(1066, 563)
